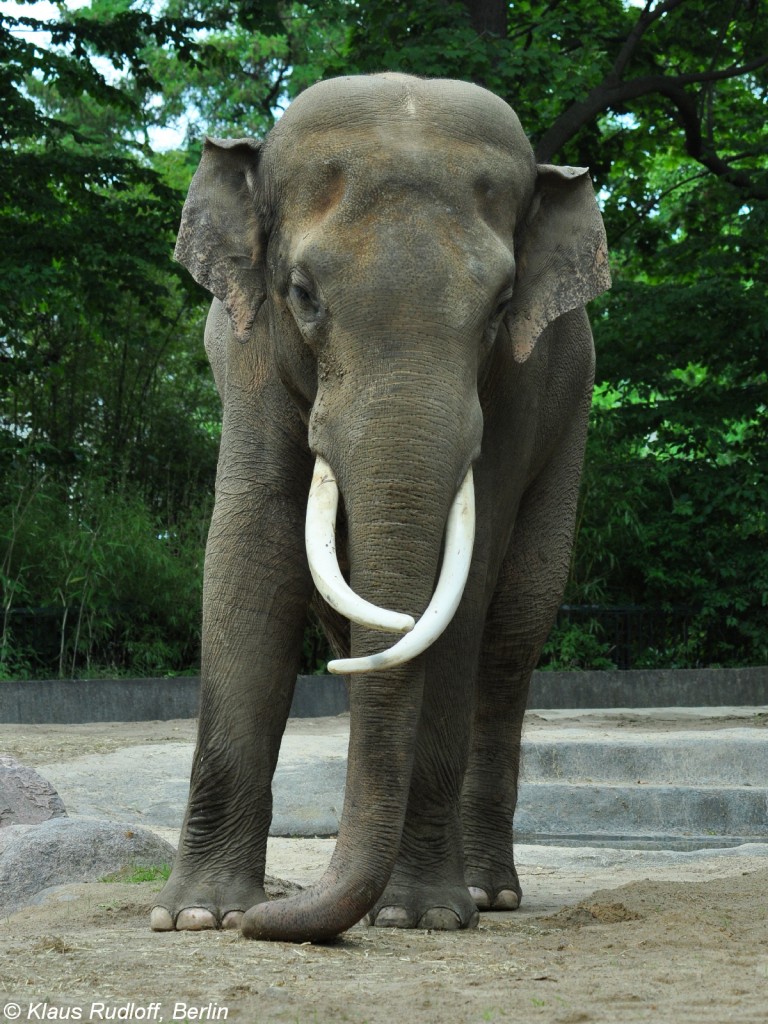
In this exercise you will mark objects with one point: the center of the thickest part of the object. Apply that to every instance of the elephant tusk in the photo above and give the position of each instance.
(320, 539)
(459, 540)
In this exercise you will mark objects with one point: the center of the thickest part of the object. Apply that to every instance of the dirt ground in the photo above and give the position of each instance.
(44, 744)
(683, 942)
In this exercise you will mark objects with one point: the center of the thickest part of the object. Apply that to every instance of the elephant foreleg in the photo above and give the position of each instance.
(255, 600)
(522, 611)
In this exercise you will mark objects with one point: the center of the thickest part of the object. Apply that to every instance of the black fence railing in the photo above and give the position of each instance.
(628, 636)
(632, 634)
(35, 633)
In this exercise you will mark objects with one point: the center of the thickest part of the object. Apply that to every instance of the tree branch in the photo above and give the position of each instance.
(642, 212)
(718, 76)
(697, 148)
(269, 100)
(649, 15)
(614, 94)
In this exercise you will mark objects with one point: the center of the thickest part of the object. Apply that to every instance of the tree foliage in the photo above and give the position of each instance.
(107, 410)
(104, 388)
(666, 103)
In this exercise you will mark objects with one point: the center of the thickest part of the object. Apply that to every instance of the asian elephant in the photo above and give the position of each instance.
(399, 339)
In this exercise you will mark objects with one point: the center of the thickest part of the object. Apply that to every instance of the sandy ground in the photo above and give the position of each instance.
(601, 938)
(44, 744)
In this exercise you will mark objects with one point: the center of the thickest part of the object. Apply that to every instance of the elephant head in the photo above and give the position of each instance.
(383, 243)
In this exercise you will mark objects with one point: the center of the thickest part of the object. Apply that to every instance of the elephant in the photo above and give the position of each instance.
(399, 338)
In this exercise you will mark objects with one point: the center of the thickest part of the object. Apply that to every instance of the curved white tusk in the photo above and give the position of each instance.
(459, 539)
(320, 540)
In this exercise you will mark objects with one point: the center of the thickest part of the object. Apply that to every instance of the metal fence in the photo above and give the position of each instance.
(626, 636)
(632, 634)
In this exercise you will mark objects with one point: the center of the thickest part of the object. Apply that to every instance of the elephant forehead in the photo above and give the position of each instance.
(394, 256)
(362, 140)
(388, 170)
(459, 109)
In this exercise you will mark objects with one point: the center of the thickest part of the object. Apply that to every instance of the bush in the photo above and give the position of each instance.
(95, 583)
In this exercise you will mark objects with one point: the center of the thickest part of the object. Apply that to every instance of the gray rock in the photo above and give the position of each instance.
(55, 895)
(10, 834)
(26, 798)
(65, 850)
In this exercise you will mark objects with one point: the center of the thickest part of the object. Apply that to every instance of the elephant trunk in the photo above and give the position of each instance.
(321, 554)
(396, 514)
(378, 777)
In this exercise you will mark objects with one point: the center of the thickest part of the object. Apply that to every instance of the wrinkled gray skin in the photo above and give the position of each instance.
(399, 289)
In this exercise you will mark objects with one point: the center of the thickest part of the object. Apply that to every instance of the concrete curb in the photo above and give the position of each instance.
(70, 701)
(651, 688)
(653, 813)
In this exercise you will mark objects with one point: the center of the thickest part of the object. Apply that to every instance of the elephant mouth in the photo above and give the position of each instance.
(320, 539)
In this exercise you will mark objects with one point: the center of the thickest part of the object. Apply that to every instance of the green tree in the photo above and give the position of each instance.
(96, 322)
(665, 102)
(106, 403)
(251, 59)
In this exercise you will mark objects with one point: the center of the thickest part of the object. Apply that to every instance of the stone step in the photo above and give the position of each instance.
(555, 809)
(651, 776)
(731, 757)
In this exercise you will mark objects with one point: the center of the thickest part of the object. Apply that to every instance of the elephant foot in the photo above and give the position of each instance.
(444, 909)
(495, 891)
(192, 919)
(196, 906)
(505, 899)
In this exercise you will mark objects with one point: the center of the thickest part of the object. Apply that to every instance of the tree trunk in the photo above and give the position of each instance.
(488, 17)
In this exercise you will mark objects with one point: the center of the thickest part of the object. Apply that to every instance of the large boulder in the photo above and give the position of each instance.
(62, 850)
(26, 798)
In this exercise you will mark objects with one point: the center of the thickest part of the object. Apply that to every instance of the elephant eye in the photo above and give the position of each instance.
(501, 308)
(303, 299)
(300, 295)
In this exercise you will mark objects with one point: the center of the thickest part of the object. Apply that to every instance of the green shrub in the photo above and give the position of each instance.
(94, 582)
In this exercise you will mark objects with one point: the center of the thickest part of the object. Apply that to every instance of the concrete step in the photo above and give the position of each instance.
(733, 757)
(674, 777)
(552, 811)
(654, 777)
(670, 778)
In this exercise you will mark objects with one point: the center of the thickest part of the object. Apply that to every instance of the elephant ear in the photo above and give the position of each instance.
(562, 258)
(219, 238)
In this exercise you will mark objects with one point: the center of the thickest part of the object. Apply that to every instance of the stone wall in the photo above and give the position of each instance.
(62, 701)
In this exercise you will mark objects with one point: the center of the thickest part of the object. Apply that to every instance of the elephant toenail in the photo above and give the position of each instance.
(232, 919)
(195, 919)
(507, 899)
(481, 898)
(440, 919)
(160, 920)
(392, 917)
